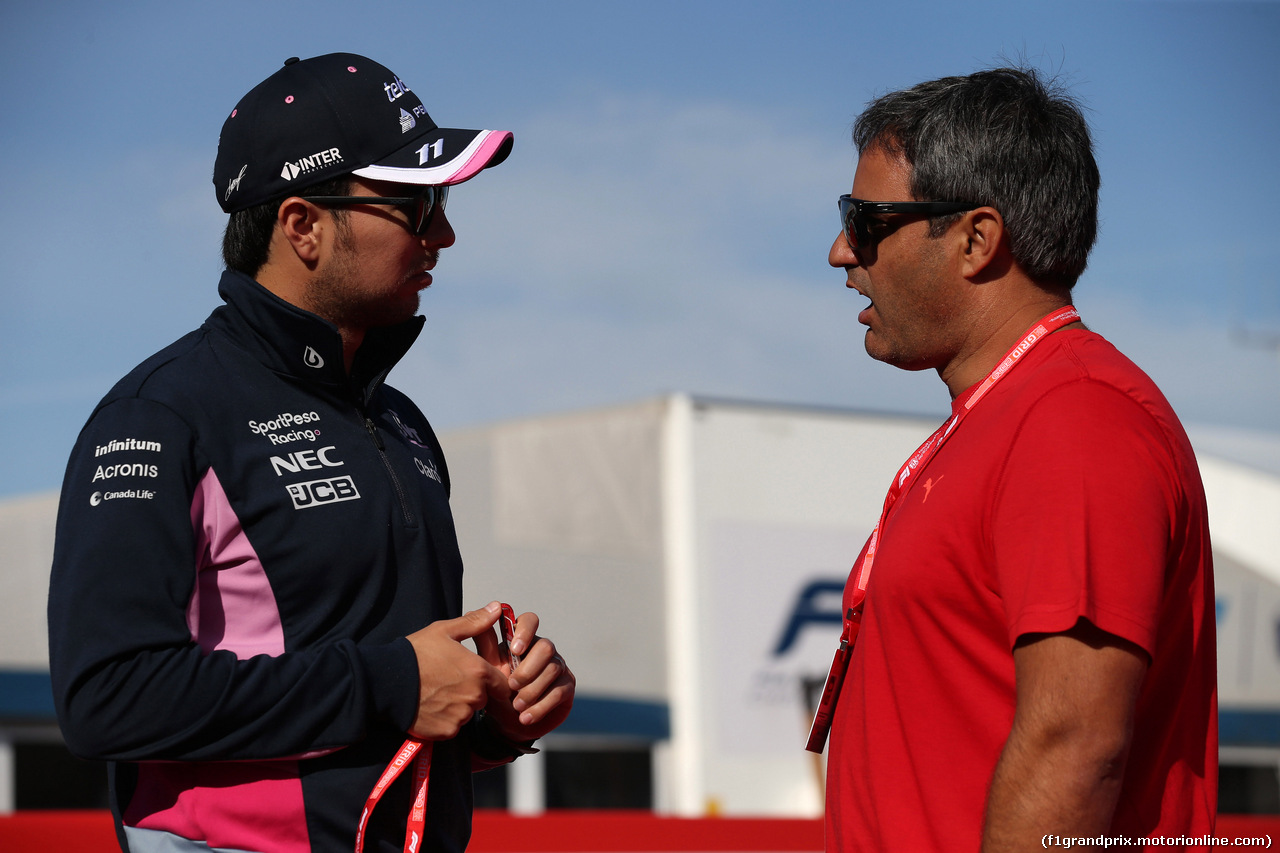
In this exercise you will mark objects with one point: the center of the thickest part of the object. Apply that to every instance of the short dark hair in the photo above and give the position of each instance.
(1003, 138)
(247, 239)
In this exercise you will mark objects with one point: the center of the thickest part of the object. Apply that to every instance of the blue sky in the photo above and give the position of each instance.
(663, 222)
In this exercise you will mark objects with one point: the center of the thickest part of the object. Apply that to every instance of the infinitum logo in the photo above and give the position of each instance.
(318, 160)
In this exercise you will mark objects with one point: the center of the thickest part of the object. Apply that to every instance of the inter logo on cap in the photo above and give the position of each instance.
(318, 160)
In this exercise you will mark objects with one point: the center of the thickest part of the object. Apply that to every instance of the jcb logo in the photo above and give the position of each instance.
(322, 492)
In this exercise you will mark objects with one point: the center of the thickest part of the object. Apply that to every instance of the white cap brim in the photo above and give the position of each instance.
(488, 148)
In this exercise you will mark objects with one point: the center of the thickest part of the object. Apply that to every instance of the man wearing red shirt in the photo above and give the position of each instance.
(1035, 653)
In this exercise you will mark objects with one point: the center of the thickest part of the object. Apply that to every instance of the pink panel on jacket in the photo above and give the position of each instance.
(237, 805)
(254, 805)
(233, 607)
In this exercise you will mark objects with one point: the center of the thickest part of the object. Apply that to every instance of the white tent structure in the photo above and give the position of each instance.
(687, 556)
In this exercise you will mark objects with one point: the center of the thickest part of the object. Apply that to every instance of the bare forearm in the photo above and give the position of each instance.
(1063, 785)
(1063, 764)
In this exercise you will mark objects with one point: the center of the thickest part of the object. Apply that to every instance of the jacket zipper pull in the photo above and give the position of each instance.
(373, 431)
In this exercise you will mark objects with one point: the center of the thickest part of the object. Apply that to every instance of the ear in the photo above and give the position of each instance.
(298, 223)
(983, 233)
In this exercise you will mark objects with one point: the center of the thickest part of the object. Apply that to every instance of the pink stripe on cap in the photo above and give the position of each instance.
(479, 153)
(494, 140)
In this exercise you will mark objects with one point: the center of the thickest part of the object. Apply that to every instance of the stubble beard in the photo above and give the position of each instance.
(335, 297)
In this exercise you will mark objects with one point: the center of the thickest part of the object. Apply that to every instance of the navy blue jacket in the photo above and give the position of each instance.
(246, 535)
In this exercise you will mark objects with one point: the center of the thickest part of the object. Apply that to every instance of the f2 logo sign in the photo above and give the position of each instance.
(817, 604)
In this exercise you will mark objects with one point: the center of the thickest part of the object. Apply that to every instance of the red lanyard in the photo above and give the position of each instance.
(906, 475)
(418, 753)
(422, 762)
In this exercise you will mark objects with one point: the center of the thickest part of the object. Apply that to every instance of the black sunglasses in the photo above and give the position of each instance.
(421, 206)
(854, 213)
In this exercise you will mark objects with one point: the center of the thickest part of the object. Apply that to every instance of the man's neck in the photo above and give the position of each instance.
(291, 287)
(993, 336)
(351, 341)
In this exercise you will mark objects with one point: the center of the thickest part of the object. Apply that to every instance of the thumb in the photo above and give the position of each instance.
(472, 624)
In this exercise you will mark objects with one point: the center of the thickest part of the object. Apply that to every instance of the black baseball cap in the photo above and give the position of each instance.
(318, 118)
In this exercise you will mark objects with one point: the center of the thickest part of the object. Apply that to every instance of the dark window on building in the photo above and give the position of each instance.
(1245, 789)
(47, 776)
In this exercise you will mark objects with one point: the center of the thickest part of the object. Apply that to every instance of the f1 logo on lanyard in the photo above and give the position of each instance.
(852, 620)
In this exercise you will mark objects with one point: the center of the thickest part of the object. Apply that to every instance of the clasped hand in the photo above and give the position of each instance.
(454, 682)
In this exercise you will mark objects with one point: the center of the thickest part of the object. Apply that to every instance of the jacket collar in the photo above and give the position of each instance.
(297, 343)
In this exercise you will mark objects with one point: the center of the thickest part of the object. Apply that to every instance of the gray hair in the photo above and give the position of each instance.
(1006, 139)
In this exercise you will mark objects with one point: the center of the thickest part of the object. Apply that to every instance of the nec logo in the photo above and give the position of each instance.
(305, 460)
(322, 492)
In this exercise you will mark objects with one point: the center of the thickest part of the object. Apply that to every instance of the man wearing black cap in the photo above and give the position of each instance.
(256, 607)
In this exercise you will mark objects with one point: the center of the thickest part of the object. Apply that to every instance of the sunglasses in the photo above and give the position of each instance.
(854, 213)
(420, 207)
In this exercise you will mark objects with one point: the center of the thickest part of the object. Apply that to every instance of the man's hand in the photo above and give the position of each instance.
(537, 697)
(453, 681)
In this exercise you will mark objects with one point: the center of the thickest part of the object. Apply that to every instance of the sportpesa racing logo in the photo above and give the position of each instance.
(287, 427)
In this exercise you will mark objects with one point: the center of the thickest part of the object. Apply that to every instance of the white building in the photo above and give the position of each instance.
(687, 557)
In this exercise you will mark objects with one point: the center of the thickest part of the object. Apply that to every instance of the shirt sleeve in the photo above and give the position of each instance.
(129, 681)
(1082, 516)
